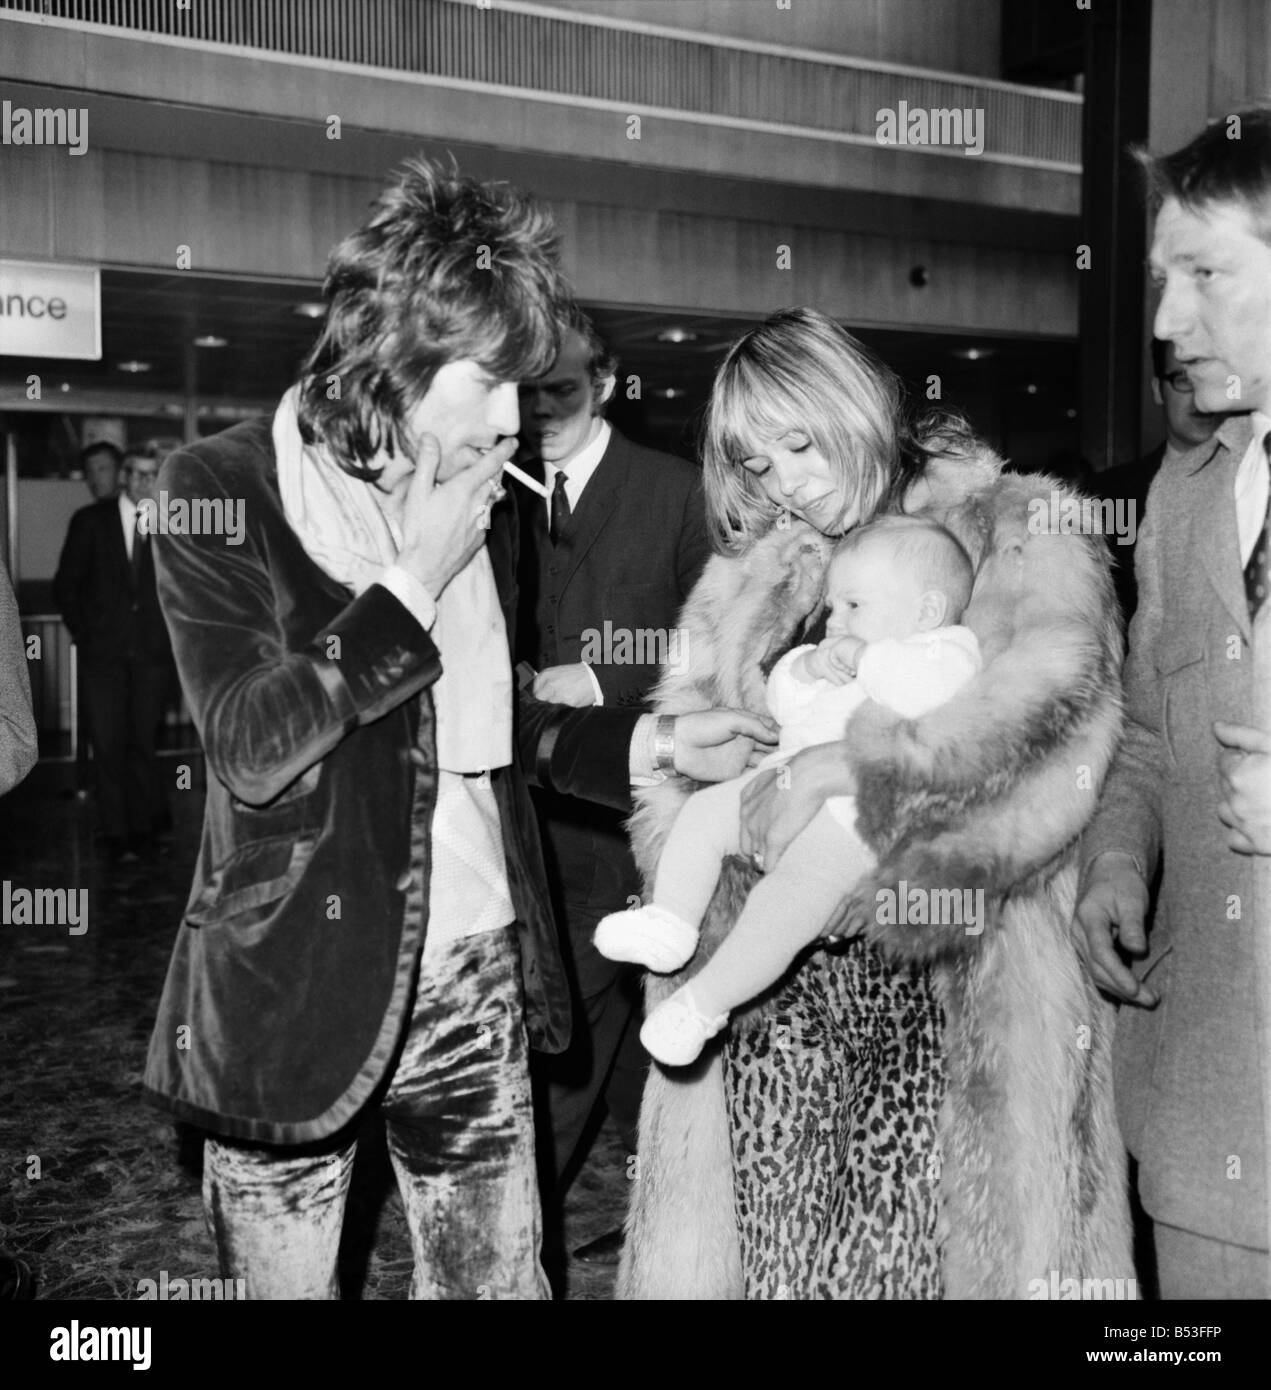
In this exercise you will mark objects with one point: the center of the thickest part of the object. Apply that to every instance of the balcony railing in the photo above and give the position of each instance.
(525, 49)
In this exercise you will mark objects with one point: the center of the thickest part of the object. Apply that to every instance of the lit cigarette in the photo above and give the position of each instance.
(532, 483)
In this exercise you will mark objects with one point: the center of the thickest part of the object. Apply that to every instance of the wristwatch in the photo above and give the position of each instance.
(664, 744)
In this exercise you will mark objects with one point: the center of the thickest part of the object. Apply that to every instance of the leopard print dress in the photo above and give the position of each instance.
(834, 1095)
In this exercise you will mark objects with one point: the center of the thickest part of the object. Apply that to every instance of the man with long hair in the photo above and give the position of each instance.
(369, 918)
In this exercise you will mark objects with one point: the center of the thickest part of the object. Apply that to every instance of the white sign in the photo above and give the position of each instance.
(50, 311)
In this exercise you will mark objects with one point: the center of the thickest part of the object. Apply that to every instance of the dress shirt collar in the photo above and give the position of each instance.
(579, 469)
(1252, 487)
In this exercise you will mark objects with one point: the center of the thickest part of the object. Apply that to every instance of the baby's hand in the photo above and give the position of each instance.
(835, 659)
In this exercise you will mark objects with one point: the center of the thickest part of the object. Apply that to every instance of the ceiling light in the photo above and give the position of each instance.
(133, 366)
(1031, 388)
(210, 340)
(676, 335)
(973, 354)
(65, 386)
(670, 393)
(310, 309)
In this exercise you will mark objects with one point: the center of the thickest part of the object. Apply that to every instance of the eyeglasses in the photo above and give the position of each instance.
(1179, 381)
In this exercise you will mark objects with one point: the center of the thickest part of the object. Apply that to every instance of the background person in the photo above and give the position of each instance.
(1190, 791)
(617, 547)
(102, 464)
(105, 589)
(1186, 427)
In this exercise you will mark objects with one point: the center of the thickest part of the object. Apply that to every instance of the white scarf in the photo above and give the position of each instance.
(344, 531)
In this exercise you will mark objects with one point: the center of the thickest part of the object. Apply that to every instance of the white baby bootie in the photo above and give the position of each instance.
(650, 936)
(676, 1031)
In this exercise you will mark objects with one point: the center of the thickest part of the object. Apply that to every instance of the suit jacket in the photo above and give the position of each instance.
(1192, 1074)
(291, 977)
(610, 593)
(109, 620)
(1129, 482)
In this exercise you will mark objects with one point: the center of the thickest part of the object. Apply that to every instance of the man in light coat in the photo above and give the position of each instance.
(1190, 790)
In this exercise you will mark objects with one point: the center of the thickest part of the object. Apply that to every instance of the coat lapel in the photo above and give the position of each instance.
(1217, 534)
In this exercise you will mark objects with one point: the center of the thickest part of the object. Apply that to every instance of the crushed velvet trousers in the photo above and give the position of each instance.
(460, 1136)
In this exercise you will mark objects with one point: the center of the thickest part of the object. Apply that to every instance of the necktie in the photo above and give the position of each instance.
(1257, 572)
(560, 509)
(139, 540)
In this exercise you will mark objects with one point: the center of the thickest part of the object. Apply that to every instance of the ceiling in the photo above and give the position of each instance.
(154, 318)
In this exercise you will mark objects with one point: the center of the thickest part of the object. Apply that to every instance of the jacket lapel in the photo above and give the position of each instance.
(599, 498)
(1217, 534)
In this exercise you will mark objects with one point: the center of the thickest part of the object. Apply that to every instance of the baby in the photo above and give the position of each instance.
(896, 589)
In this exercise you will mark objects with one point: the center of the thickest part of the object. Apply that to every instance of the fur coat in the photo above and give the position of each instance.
(990, 791)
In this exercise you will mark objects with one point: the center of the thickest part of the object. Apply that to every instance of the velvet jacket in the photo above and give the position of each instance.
(291, 977)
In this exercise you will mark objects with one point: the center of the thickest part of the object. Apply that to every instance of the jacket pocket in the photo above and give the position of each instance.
(1182, 676)
(242, 891)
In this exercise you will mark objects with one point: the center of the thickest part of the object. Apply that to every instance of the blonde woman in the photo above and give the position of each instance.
(922, 1109)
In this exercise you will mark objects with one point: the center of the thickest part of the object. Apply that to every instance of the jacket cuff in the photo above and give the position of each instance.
(374, 656)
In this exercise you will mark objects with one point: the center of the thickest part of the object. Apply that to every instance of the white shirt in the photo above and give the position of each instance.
(128, 517)
(578, 471)
(1252, 488)
(468, 890)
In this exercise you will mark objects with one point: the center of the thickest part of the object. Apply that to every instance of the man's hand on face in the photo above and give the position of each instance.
(442, 522)
(1244, 783)
(565, 685)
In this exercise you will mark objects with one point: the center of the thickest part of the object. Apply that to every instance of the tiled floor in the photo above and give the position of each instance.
(99, 1190)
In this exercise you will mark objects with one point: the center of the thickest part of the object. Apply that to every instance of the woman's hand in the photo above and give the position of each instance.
(781, 802)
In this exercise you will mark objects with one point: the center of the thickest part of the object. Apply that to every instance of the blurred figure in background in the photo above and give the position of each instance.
(102, 463)
(105, 589)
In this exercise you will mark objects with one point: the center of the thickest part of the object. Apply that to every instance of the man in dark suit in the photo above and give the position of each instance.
(606, 564)
(1190, 788)
(105, 588)
(1186, 428)
(102, 463)
(369, 922)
